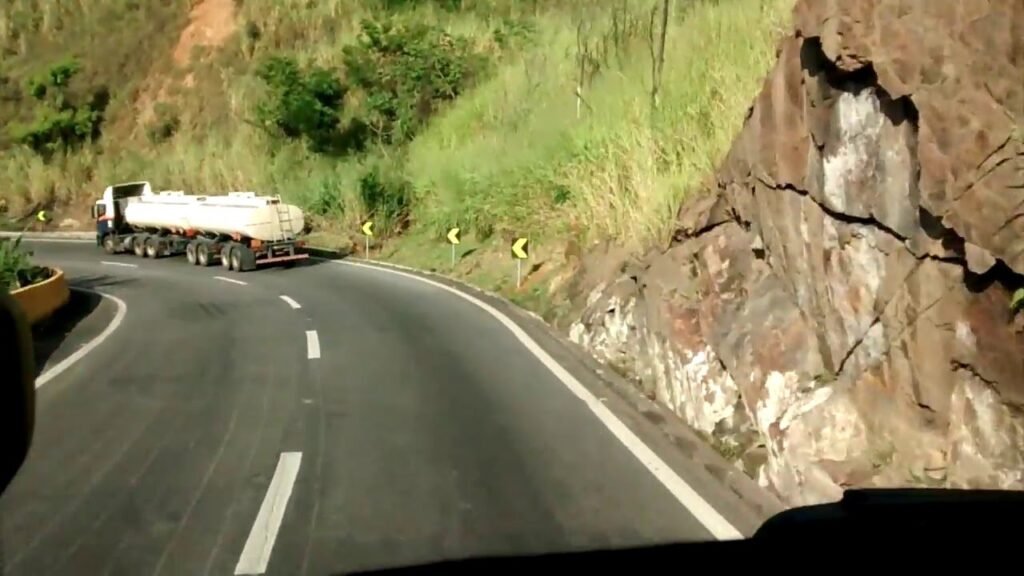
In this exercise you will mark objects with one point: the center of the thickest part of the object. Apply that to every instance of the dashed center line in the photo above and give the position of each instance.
(295, 305)
(256, 553)
(232, 280)
(122, 264)
(312, 344)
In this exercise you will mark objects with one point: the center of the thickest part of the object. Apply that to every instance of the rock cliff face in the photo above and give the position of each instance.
(837, 312)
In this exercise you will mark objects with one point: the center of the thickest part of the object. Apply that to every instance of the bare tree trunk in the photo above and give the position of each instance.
(658, 51)
(582, 68)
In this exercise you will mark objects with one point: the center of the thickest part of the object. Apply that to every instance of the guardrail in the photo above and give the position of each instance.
(42, 299)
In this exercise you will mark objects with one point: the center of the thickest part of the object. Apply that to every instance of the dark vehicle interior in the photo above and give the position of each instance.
(939, 522)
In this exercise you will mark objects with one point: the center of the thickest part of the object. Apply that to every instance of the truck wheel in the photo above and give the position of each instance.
(139, 246)
(225, 256)
(236, 258)
(152, 247)
(109, 245)
(203, 254)
(246, 259)
(190, 253)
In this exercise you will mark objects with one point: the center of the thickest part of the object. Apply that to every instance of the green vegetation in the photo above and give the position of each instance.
(406, 74)
(300, 104)
(501, 116)
(16, 268)
(1017, 300)
(60, 124)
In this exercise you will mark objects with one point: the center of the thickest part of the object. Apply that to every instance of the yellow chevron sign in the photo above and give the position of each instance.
(453, 235)
(521, 248)
(368, 227)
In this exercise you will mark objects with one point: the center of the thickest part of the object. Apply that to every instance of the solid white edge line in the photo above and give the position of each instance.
(288, 300)
(260, 543)
(66, 363)
(122, 264)
(232, 280)
(714, 522)
(312, 344)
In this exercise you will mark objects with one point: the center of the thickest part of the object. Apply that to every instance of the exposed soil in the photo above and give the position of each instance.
(211, 23)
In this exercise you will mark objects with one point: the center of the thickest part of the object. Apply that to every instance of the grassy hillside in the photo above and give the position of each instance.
(514, 151)
(516, 154)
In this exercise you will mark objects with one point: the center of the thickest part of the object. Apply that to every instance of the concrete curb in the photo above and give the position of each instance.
(28, 235)
(41, 300)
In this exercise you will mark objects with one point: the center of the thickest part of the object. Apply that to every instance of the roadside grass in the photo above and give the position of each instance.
(513, 154)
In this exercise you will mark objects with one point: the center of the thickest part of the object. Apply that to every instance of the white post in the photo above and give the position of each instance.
(367, 253)
(453, 255)
(519, 272)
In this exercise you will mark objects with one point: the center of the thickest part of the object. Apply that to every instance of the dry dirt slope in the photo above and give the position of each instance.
(837, 313)
(210, 24)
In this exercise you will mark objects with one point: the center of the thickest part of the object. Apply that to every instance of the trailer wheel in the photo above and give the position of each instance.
(236, 258)
(109, 246)
(246, 259)
(190, 252)
(139, 246)
(152, 247)
(225, 256)
(203, 254)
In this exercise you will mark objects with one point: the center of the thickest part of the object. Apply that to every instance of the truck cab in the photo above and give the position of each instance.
(108, 210)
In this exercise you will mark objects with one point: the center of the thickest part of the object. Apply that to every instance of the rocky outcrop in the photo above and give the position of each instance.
(836, 313)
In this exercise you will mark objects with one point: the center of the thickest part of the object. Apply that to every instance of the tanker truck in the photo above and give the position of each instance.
(240, 230)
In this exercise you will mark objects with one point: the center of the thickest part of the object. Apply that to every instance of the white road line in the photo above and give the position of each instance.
(66, 363)
(295, 305)
(232, 280)
(33, 239)
(312, 344)
(714, 522)
(256, 553)
(123, 264)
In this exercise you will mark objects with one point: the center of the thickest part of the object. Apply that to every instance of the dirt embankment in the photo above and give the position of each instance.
(838, 313)
(210, 24)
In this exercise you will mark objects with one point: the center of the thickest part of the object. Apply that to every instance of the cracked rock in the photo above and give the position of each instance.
(841, 303)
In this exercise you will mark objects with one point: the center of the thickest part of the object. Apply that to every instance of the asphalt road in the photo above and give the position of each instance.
(325, 419)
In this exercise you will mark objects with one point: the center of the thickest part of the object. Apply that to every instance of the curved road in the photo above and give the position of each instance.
(325, 419)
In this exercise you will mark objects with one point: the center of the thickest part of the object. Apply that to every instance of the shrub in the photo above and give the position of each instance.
(302, 104)
(386, 195)
(164, 125)
(16, 268)
(513, 33)
(405, 73)
(60, 124)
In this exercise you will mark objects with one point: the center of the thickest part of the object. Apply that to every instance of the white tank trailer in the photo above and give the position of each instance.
(241, 230)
